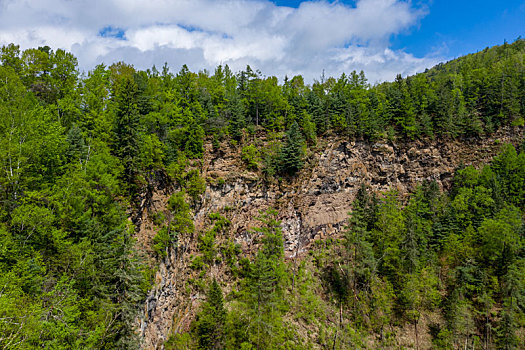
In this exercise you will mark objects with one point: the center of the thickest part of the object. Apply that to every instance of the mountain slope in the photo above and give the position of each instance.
(312, 209)
(84, 159)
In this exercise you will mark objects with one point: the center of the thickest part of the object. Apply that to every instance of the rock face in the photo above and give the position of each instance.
(314, 205)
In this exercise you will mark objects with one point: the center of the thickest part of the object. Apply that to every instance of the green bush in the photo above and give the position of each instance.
(180, 223)
(197, 263)
(292, 153)
(251, 157)
(162, 240)
(195, 184)
(179, 341)
(207, 240)
(158, 218)
(230, 251)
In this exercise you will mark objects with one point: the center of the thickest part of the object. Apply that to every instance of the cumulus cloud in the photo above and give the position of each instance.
(315, 37)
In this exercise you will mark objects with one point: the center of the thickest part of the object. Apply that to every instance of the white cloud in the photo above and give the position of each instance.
(317, 36)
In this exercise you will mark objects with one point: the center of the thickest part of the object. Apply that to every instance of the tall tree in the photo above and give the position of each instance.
(126, 125)
(291, 156)
(210, 323)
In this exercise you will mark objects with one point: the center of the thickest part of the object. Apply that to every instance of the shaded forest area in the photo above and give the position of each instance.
(78, 150)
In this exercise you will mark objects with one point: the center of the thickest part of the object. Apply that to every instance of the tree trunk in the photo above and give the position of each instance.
(417, 335)
(340, 322)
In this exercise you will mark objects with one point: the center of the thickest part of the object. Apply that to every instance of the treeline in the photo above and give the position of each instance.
(77, 150)
(150, 118)
(448, 267)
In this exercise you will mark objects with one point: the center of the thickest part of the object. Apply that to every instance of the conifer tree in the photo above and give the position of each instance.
(209, 326)
(265, 284)
(77, 146)
(292, 151)
(361, 264)
(237, 120)
(126, 125)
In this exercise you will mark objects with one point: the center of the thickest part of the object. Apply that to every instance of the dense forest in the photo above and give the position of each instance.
(79, 150)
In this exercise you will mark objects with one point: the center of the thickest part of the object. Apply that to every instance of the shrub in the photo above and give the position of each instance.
(251, 157)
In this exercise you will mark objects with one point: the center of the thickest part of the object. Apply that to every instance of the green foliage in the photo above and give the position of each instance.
(76, 150)
(467, 96)
(230, 252)
(250, 156)
(259, 308)
(180, 223)
(180, 341)
(194, 141)
(67, 241)
(176, 170)
(360, 261)
(271, 159)
(237, 119)
(195, 185)
(207, 240)
(180, 210)
(151, 153)
(162, 240)
(209, 326)
(419, 293)
(264, 289)
(126, 124)
(158, 218)
(197, 263)
(291, 154)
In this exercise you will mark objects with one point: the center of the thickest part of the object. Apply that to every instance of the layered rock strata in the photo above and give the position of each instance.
(313, 205)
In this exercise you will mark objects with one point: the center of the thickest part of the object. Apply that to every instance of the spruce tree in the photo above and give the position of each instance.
(126, 126)
(76, 144)
(292, 151)
(237, 120)
(265, 284)
(209, 327)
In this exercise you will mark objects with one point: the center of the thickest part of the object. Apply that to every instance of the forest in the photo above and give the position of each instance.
(78, 150)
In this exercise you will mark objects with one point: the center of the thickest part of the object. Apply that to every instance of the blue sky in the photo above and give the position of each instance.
(381, 37)
(454, 28)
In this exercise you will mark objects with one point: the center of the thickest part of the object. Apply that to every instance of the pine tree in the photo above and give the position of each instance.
(292, 151)
(237, 120)
(194, 146)
(77, 146)
(361, 264)
(209, 326)
(265, 284)
(126, 126)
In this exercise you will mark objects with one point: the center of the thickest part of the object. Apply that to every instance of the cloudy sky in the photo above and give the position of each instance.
(381, 37)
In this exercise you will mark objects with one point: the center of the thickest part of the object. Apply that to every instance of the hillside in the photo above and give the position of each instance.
(146, 209)
(312, 210)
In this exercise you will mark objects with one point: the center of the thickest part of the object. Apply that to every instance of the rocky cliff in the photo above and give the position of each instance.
(313, 205)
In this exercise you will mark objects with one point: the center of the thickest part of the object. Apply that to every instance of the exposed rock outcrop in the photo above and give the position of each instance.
(313, 205)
